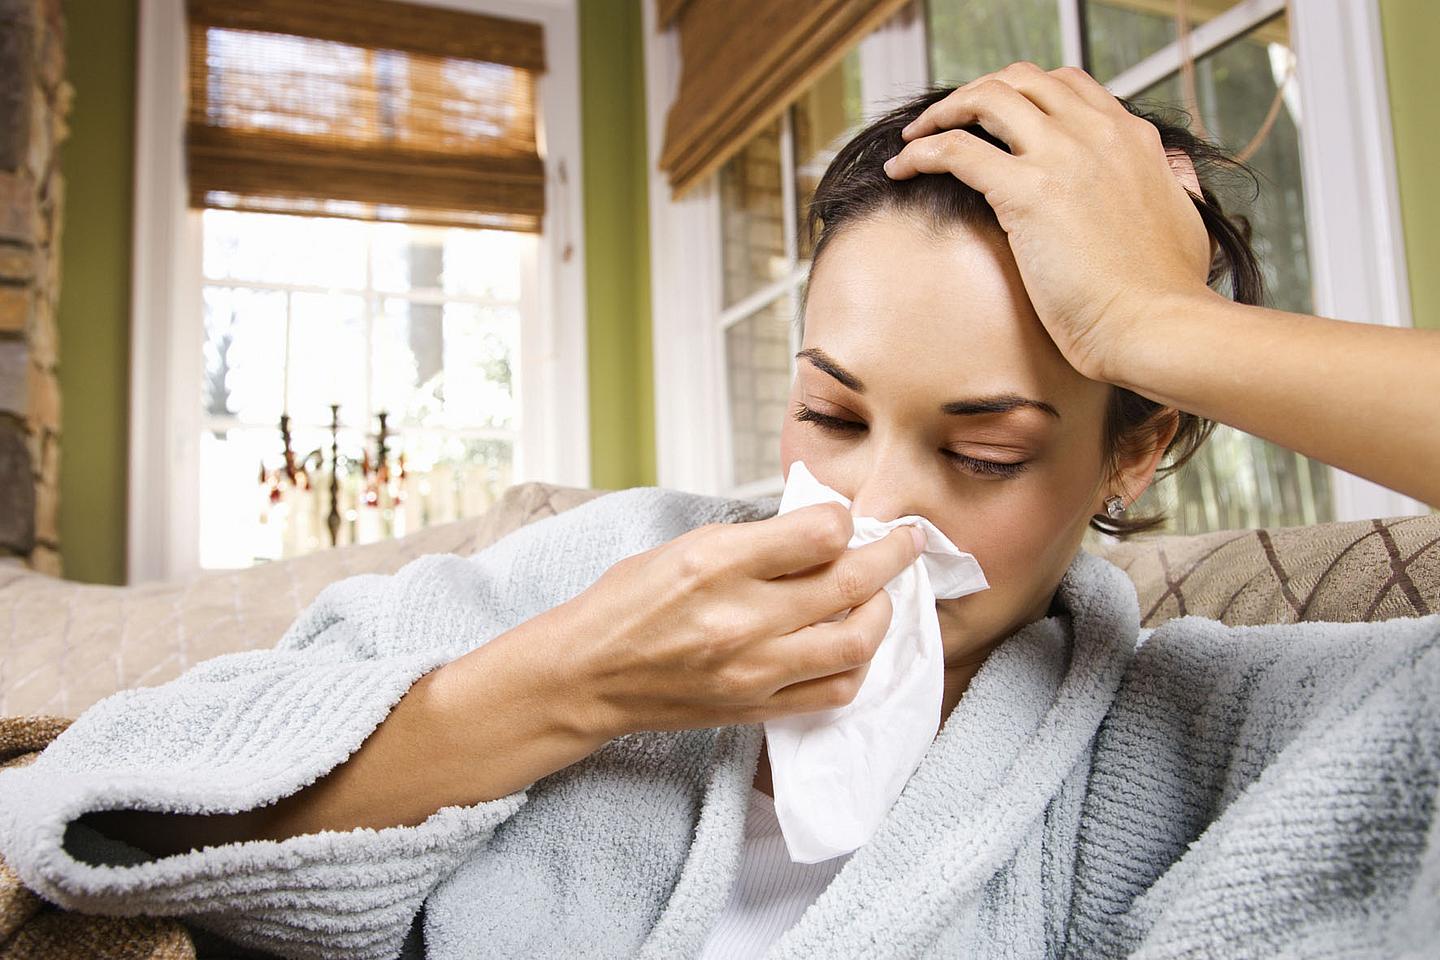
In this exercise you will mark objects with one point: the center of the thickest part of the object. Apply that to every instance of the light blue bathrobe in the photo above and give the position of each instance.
(1209, 791)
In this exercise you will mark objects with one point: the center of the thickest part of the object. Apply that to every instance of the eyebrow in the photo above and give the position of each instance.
(998, 403)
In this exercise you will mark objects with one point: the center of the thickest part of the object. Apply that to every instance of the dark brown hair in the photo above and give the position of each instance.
(855, 187)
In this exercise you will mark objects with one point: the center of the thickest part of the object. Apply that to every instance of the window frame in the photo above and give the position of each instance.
(163, 499)
(688, 317)
(1351, 199)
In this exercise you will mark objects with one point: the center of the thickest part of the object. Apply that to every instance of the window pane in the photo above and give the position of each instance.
(1121, 33)
(752, 219)
(272, 248)
(1238, 480)
(484, 263)
(466, 263)
(479, 347)
(406, 258)
(407, 355)
(238, 524)
(757, 360)
(244, 354)
(327, 357)
(973, 37)
(453, 476)
(436, 350)
(821, 120)
(1235, 86)
(449, 366)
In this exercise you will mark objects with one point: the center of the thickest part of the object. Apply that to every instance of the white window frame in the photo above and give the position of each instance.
(163, 500)
(688, 317)
(1356, 247)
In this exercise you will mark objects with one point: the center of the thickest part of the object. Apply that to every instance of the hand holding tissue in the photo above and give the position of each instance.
(837, 772)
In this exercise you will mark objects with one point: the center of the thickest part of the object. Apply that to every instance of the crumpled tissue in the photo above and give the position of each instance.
(837, 772)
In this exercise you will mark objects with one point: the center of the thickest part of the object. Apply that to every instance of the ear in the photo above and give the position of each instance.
(1135, 467)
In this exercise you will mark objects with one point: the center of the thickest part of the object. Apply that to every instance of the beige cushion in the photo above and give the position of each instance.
(1359, 570)
(67, 645)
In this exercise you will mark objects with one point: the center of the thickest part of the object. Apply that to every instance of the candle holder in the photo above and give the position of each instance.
(379, 483)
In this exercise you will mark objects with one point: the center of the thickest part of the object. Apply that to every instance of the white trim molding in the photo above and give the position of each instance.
(163, 499)
(1352, 197)
(164, 474)
(685, 295)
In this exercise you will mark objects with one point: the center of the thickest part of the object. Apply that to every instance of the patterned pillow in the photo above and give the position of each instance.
(1358, 570)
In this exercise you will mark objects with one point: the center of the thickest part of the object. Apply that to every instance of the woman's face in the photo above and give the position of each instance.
(935, 390)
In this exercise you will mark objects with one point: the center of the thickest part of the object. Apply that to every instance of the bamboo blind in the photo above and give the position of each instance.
(743, 62)
(364, 108)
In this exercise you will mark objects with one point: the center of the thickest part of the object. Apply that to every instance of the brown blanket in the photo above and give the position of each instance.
(32, 929)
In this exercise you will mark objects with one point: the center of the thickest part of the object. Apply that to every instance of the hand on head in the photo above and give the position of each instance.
(1101, 225)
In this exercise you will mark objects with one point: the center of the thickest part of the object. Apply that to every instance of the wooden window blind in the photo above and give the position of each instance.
(370, 109)
(745, 61)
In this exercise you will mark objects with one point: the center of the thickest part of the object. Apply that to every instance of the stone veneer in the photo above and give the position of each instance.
(34, 101)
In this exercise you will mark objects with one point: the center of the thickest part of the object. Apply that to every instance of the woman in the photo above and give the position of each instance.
(552, 746)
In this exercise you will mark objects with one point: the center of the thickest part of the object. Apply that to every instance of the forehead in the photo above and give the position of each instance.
(893, 299)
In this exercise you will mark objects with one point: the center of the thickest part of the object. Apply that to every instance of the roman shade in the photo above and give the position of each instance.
(364, 108)
(743, 62)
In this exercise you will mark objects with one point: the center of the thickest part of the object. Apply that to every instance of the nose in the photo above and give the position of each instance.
(889, 485)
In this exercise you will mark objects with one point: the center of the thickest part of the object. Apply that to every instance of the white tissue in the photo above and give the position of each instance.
(837, 772)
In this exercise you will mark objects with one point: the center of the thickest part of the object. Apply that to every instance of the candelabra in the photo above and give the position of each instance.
(378, 486)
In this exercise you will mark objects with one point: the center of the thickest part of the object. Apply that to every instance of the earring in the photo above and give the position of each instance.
(1114, 506)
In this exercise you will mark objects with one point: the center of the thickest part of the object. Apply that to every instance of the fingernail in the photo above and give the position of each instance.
(905, 131)
(918, 536)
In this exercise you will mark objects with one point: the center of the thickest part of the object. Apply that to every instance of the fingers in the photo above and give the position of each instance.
(823, 649)
(994, 104)
(960, 153)
(849, 581)
(1067, 93)
(1088, 89)
(795, 541)
(833, 658)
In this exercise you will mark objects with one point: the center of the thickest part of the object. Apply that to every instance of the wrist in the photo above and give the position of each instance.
(1156, 336)
(526, 680)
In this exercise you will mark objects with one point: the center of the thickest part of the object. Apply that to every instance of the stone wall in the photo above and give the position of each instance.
(34, 101)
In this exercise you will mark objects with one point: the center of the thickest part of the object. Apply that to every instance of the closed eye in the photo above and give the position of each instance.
(995, 468)
(805, 414)
(991, 468)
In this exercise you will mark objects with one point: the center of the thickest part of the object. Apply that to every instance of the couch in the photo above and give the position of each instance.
(66, 645)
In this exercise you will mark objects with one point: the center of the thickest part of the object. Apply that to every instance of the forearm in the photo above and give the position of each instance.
(1362, 397)
(483, 726)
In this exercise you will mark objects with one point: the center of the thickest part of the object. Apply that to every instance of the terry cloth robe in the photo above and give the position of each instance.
(1195, 791)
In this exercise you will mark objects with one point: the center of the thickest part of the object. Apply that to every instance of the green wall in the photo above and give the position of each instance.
(94, 308)
(1412, 41)
(617, 245)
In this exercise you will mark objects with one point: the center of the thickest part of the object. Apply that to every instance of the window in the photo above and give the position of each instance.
(1236, 480)
(764, 193)
(1243, 57)
(393, 305)
(420, 324)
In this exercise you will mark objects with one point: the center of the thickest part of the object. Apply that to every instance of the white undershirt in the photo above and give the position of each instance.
(770, 893)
